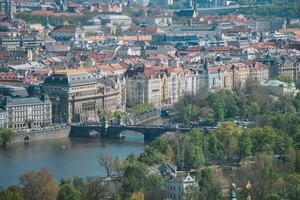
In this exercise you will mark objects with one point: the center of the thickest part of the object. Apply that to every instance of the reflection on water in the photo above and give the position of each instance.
(79, 157)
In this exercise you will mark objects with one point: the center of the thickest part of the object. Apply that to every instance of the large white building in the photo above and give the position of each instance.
(177, 187)
(24, 113)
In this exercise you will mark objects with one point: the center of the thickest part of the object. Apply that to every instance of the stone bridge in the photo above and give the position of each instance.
(115, 131)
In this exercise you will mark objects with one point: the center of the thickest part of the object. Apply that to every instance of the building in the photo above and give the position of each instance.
(27, 113)
(116, 20)
(288, 67)
(143, 90)
(3, 118)
(63, 33)
(77, 97)
(73, 95)
(262, 25)
(7, 7)
(19, 41)
(177, 187)
(144, 85)
(279, 88)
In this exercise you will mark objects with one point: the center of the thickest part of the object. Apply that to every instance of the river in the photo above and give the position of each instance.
(79, 158)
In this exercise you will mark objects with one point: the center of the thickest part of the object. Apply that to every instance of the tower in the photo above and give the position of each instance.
(232, 192)
(11, 12)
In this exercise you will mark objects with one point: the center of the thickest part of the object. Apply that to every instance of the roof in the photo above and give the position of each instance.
(115, 17)
(64, 29)
(184, 13)
(70, 78)
(275, 83)
(25, 101)
(14, 91)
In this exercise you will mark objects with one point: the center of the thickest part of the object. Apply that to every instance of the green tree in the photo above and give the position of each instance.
(193, 158)
(154, 187)
(228, 133)
(293, 186)
(215, 148)
(12, 193)
(208, 187)
(69, 192)
(218, 106)
(245, 145)
(6, 136)
(119, 165)
(134, 177)
(79, 183)
(263, 139)
(151, 156)
(282, 144)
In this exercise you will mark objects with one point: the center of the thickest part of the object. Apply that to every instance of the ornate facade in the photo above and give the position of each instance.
(77, 97)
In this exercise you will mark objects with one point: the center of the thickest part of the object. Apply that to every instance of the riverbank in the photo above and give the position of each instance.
(42, 134)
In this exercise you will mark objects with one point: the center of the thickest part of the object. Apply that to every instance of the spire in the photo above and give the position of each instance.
(261, 39)
(232, 192)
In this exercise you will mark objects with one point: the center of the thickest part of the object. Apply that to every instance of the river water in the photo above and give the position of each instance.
(79, 158)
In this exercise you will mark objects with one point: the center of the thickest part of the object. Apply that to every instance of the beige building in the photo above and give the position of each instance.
(27, 112)
(143, 90)
(77, 97)
(289, 68)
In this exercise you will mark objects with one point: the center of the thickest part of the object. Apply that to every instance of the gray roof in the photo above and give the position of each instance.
(24, 101)
(70, 79)
(13, 91)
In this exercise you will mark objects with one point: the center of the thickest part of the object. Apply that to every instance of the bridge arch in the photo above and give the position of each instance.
(26, 139)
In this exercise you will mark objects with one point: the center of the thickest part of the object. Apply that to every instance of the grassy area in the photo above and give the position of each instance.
(54, 21)
(141, 108)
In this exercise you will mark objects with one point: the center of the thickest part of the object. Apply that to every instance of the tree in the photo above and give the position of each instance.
(228, 133)
(245, 145)
(170, 154)
(208, 187)
(134, 177)
(215, 147)
(187, 110)
(105, 160)
(39, 185)
(154, 187)
(293, 186)
(180, 141)
(262, 175)
(151, 156)
(94, 189)
(69, 192)
(12, 193)
(263, 139)
(119, 165)
(6, 136)
(193, 157)
(218, 106)
(139, 195)
(79, 183)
